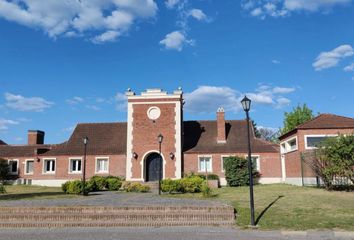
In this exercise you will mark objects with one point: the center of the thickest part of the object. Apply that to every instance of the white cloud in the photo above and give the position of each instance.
(31, 104)
(108, 36)
(4, 123)
(206, 99)
(121, 101)
(275, 61)
(171, 3)
(349, 68)
(282, 8)
(77, 18)
(283, 90)
(331, 58)
(175, 41)
(93, 107)
(75, 100)
(198, 14)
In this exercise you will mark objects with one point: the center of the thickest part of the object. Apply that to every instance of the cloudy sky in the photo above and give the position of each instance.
(70, 61)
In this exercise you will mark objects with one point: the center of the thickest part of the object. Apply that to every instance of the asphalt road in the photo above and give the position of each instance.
(170, 233)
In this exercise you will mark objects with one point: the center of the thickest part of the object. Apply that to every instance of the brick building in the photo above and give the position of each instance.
(298, 143)
(131, 149)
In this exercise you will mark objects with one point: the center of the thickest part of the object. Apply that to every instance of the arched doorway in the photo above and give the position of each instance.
(153, 167)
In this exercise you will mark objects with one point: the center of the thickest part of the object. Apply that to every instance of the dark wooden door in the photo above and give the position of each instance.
(153, 167)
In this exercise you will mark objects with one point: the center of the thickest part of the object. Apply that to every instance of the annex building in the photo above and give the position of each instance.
(132, 149)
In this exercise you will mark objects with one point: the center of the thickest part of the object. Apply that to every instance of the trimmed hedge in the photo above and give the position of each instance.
(96, 183)
(135, 187)
(2, 189)
(191, 184)
(75, 187)
(236, 171)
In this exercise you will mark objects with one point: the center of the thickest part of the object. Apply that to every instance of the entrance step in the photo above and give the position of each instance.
(149, 216)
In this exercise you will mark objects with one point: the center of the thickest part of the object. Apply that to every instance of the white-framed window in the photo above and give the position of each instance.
(13, 166)
(29, 166)
(223, 157)
(49, 166)
(289, 145)
(102, 164)
(75, 165)
(256, 161)
(205, 164)
(312, 141)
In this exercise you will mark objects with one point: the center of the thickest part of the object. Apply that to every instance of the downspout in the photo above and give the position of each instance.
(302, 168)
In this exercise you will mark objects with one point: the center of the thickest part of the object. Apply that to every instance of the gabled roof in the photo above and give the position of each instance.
(104, 138)
(324, 121)
(22, 150)
(2, 142)
(201, 137)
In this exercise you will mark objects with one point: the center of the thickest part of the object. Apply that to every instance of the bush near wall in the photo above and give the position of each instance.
(236, 171)
(96, 183)
(135, 187)
(75, 187)
(191, 184)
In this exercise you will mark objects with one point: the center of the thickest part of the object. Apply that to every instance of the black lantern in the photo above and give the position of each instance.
(246, 104)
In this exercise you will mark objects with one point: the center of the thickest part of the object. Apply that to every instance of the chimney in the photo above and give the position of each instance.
(221, 127)
(35, 137)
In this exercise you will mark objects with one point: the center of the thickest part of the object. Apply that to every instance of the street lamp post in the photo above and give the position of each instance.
(246, 105)
(160, 138)
(85, 140)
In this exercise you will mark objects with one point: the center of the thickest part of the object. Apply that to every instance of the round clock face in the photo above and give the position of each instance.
(154, 113)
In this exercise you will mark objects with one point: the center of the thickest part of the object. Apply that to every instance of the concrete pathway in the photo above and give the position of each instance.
(170, 233)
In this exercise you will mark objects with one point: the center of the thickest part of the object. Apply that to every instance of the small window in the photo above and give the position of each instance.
(29, 167)
(292, 144)
(75, 165)
(255, 162)
(102, 165)
(13, 166)
(205, 164)
(49, 166)
(315, 141)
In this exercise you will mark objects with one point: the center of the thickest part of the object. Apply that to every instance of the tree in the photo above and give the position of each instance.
(269, 134)
(255, 129)
(236, 171)
(299, 115)
(333, 159)
(4, 170)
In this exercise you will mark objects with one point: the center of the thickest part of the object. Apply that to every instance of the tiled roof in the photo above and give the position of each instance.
(201, 137)
(324, 121)
(104, 138)
(111, 139)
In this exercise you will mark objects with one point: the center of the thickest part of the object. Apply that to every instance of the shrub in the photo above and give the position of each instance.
(135, 187)
(236, 171)
(206, 190)
(210, 176)
(191, 184)
(4, 170)
(75, 187)
(171, 186)
(2, 189)
(113, 184)
(98, 183)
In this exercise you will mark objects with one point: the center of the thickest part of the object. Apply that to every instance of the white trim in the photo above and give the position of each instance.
(10, 168)
(222, 162)
(152, 117)
(287, 145)
(223, 181)
(258, 161)
(44, 167)
(129, 164)
(101, 158)
(283, 167)
(69, 168)
(49, 182)
(269, 180)
(143, 165)
(25, 167)
(298, 181)
(317, 135)
(178, 141)
(211, 163)
(151, 103)
(140, 97)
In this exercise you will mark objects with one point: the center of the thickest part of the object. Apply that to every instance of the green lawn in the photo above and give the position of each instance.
(281, 206)
(18, 192)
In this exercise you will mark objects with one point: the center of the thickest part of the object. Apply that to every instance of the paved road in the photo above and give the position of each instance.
(170, 233)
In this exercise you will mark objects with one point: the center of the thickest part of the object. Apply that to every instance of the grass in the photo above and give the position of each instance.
(19, 192)
(281, 206)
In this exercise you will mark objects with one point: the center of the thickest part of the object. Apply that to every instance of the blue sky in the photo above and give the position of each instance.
(64, 62)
